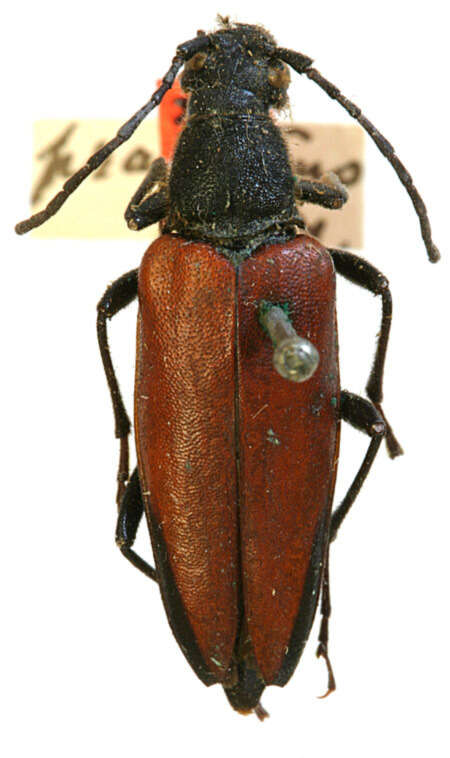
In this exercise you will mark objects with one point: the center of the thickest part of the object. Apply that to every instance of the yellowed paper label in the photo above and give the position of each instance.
(96, 210)
(316, 149)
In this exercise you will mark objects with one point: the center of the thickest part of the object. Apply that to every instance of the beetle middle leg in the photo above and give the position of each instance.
(118, 295)
(360, 272)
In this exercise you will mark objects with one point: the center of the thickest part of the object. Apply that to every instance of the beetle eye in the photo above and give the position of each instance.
(196, 62)
(279, 77)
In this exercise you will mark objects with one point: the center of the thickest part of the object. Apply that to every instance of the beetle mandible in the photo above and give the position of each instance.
(237, 396)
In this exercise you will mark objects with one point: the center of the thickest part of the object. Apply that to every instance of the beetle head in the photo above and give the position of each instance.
(239, 58)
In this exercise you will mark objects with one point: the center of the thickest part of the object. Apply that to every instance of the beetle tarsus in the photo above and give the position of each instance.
(322, 652)
(325, 609)
(261, 712)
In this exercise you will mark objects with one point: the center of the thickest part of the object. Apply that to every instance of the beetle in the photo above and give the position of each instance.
(237, 397)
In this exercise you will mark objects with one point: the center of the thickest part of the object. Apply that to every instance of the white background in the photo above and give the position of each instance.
(89, 665)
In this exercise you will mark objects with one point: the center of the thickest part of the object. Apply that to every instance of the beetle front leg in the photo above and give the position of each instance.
(118, 295)
(329, 192)
(362, 273)
(150, 202)
(363, 415)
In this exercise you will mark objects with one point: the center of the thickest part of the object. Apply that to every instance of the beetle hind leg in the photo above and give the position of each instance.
(365, 416)
(130, 514)
(322, 648)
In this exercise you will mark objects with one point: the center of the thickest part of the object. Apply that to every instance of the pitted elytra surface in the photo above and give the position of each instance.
(237, 513)
(185, 426)
(287, 449)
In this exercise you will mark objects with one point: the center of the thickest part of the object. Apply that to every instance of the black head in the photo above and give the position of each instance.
(239, 58)
(237, 67)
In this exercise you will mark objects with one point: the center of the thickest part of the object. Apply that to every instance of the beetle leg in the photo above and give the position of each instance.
(325, 610)
(184, 52)
(360, 272)
(130, 514)
(329, 192)
(363, 415)
(151, 200)
(381, 142)
(118, 295)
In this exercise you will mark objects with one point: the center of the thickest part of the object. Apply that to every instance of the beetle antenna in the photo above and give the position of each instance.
(381, 142)
(183, 53)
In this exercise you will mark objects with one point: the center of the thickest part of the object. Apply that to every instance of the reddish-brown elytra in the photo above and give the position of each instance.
(230, 453)
(238, 402)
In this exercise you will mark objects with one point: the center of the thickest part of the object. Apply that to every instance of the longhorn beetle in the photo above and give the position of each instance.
(237, 396)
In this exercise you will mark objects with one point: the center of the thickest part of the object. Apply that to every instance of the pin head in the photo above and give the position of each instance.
(296, 359)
